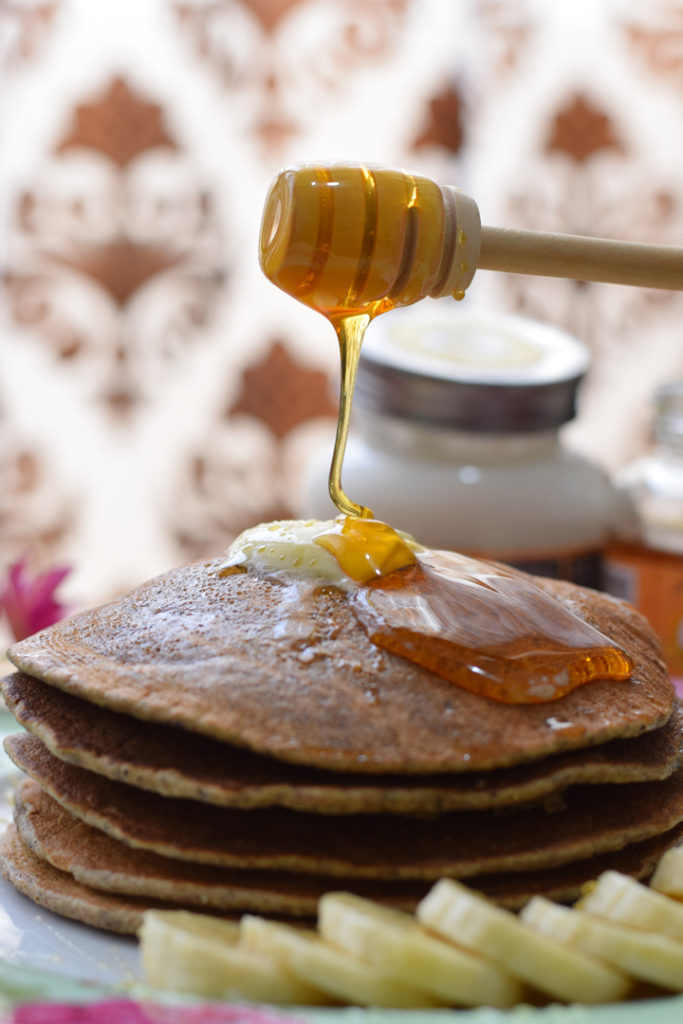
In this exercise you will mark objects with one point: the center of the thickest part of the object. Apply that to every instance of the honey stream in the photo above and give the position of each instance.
(350, 334)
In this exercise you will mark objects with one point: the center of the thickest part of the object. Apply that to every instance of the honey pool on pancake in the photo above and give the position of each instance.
(325, 241)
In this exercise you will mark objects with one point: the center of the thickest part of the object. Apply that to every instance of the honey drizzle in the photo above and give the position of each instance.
(350, 332)
(485, 629)
(366, 549)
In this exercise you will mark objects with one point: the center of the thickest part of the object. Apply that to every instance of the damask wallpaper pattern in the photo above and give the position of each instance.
(157, 395)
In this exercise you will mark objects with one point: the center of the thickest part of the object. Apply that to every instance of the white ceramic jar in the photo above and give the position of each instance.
(456, 439)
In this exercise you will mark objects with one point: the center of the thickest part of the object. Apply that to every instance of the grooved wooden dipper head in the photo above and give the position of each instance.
(346, 238)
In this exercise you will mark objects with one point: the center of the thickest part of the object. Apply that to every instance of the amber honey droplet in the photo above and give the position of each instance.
(488, 630)
(367, 548)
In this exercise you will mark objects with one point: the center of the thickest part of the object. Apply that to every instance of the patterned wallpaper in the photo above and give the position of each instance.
(157, 395)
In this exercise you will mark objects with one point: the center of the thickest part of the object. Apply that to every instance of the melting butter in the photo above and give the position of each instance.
(343, 551)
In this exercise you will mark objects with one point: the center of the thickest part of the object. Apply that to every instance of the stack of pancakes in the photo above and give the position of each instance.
(236, 743)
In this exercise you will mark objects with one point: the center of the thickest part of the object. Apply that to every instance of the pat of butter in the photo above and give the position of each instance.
(325, 549)
(287, 546)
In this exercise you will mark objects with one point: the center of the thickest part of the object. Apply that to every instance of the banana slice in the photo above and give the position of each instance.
(312, 960)
(559, 971)
(653, 958)
(396, 944)
(186, 952)
(620, 898)
(668, 876)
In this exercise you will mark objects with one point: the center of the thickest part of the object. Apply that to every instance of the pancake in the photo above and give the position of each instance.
(97, 861)
(584, 822)
(285, 669)
(100, 862)
(59, 892)
(174, 762)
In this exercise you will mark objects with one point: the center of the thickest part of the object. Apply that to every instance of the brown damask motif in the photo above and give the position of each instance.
(580, 129)
(443, 124)
(282, 393)
(248, 45)
(119, 279)
(119, 124)
(120, 265)
(23, 27)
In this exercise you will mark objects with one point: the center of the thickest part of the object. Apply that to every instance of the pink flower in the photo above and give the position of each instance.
(122, 1011)
(28, 601)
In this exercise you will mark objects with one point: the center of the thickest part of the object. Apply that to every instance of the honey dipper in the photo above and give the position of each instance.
(347, 238)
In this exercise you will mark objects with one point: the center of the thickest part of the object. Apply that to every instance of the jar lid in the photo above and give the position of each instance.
(470, 370)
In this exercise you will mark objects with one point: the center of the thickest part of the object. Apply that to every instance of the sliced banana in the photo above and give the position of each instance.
(193, 953)
(312, 960)
(653, 958)
(397, 945)
(547, 964)
(668, 876)
(623, 899)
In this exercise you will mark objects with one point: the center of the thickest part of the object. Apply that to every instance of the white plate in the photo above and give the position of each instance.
(33, 938)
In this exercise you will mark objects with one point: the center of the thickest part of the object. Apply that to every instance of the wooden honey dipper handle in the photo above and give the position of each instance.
(581, 258)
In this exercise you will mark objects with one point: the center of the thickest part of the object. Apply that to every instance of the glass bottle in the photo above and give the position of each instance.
(646, 567)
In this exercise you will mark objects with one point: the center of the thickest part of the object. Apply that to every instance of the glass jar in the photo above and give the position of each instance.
(646, 568)
(456, 439)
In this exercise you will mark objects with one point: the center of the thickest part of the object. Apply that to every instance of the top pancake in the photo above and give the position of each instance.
(284, 668)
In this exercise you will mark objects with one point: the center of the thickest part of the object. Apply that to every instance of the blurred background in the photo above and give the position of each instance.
(157, 394)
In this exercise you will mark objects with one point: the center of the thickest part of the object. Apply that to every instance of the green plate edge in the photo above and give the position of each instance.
(28, 985)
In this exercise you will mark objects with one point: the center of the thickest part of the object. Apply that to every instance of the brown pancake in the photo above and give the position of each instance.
(60, 893)
(584, 822)
(100, 862)
(174, 762)
(287, 670)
